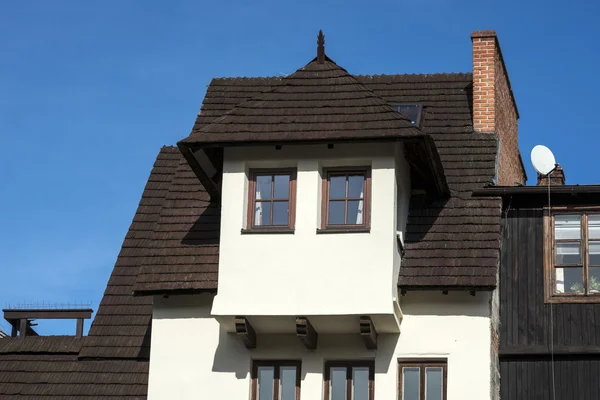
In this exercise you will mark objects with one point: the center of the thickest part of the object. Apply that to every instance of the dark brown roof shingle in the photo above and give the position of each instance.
(319, 101)
(184, 253)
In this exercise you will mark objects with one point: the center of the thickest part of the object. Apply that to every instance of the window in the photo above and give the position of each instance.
(276, 380)
(271, 202)
(410, 111)
(573, 257)
(349, 380)
(346, 198)
(422, 379)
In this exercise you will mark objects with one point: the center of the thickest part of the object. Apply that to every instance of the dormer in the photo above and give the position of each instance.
(314, 178)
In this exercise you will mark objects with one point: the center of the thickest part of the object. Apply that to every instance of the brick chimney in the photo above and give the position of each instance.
(556, 177)
(494, 107)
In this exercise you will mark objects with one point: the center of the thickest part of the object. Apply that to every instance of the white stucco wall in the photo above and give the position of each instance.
(193, 357)
(308, 273)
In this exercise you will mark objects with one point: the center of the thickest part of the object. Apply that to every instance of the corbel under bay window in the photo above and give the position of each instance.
(572, 256)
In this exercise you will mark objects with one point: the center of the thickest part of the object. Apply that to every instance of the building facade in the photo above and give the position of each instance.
(353, 262)
(314, 236)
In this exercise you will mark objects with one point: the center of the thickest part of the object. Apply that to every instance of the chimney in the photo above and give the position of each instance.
(494, 107)
(556, 177)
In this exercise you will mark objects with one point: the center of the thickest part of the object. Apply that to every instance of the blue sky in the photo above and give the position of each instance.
(90, 91)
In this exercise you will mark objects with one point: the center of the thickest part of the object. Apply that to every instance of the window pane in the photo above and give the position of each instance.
(434, 383)
(281, 212)
(355, 212)
(410, 383)
(337, 187)
(567, 226)
(336, 212)
(568, 280)
(594, 280)
(568, 254)
(282, 187)
(360, 383)
(262, 213)
(338, 384)
(287, 376)
(594, 226)
(594, 253)
(409, 111)
(356, 185)
(265, 383)
(263, 187)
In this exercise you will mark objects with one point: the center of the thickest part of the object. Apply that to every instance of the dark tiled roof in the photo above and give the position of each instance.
(41, 344)
(454, 242)
(319, 101)
(185, 243)
(63, 376)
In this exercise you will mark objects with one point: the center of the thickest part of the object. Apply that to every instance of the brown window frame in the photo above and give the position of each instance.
(349, 365)
(276, 364)
(340, 228)
(422, 364)
(550, 256)
(289, 228)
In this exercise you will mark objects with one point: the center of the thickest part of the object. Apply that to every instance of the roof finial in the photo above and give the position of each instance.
(320, 47)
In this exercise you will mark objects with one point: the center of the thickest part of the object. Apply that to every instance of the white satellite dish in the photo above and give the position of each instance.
(543, 160)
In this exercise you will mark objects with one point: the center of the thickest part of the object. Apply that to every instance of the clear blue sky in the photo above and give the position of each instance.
(90, 91)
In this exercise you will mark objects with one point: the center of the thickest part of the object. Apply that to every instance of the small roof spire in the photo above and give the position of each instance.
(320, 47)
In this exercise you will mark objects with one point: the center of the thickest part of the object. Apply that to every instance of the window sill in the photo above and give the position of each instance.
(565, 299)
(267, 231)
(361, 229)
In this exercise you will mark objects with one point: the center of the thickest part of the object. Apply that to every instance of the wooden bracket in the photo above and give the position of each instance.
(79, 332)
(246, 332)
(368, 332)
(306, 333)
(22, 328)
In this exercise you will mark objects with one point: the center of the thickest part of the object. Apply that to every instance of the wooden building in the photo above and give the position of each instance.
(549, 292)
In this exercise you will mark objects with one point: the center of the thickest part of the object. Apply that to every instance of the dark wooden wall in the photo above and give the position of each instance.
(525, 323)
(524, 318)
(576, 378)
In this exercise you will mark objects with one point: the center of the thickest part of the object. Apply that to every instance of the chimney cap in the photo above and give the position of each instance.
(484, 33)
(556, 177)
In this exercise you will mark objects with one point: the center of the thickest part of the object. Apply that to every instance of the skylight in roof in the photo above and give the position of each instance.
(410, 111)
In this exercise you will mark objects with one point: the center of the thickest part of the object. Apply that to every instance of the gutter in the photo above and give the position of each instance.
(499, 191)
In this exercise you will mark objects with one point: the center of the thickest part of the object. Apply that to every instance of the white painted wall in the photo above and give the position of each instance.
(192, 357)
(308, 273)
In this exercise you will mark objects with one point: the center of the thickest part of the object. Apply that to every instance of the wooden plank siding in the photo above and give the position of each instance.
(525, 323)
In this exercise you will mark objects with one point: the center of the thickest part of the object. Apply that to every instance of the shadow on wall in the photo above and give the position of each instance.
(432, 303)
(206, 229)
(232, 356)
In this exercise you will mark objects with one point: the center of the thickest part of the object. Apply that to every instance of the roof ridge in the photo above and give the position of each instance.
(436, 74)
(279, 77)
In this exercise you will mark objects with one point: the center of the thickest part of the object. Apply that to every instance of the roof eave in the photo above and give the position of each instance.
(501, 191)
(427, 159)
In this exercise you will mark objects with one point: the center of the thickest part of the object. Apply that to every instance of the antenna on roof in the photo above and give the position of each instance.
(320, 47)
(543, 160)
